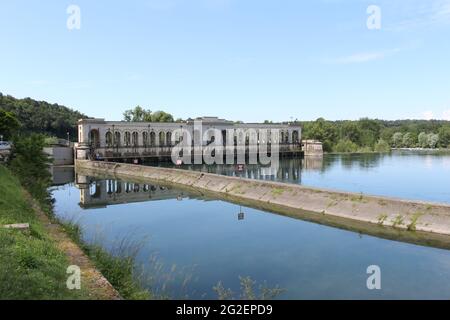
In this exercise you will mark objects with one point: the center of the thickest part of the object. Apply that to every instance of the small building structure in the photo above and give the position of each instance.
(312, 148)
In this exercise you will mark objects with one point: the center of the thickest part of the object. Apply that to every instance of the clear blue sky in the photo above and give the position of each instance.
(247, 60)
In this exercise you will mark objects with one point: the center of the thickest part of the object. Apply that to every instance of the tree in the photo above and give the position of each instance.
(42, 117)
(397, 139)
(8, 124)
(433, 140)
(323, 131)
(423, 140)
(382, 146)
(138, 114)
(351, 131)
(161, 116)
(444, 136)
(408, 140)
(30, 164)
(345, 145)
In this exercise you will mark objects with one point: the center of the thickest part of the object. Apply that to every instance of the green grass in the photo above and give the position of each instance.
(31, 266)
(277, 192)
(398, 221)
(117, 267)
(382, 218)
(415, 217)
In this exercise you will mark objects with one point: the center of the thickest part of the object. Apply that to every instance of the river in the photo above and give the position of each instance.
(188, 243)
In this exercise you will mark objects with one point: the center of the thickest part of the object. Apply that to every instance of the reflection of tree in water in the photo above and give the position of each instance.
(328, 161)
(362, 160)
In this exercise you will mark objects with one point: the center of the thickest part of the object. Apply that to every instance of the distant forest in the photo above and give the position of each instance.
(366, 135)
(42, 117)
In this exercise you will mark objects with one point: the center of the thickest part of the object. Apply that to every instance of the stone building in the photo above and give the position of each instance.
(110, 140)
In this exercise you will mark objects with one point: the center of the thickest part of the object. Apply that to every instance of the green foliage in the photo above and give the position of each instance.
(248, 291)
(367, 133)
(138, 114)
(423, 140)
(42, 117)
(444, 136)
(8, 124)
(397, 140)
(409, 140)
(117, 266)
(31, 266)
(350, 131)
(30, 164)
(346, 145)
(433, 140)
(321, 130)
(382, 146)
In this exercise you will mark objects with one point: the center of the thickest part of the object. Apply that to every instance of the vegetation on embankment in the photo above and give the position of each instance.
(39, 258)
(31, 265)
(117, 267)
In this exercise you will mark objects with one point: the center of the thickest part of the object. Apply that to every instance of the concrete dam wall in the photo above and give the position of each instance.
(334, 207)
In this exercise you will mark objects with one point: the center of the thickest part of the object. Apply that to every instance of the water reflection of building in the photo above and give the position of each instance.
(61, 175)
(288, 170)
(313, 163)
(101, 193)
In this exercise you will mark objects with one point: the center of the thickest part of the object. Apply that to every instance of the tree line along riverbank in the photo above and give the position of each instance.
(363, 135)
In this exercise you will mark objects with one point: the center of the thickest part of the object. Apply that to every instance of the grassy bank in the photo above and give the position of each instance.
(26, 198)
(117, 267)
(31, 265)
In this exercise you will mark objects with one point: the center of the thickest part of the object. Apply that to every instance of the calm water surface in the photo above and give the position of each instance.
(421, 175)
(203, 241)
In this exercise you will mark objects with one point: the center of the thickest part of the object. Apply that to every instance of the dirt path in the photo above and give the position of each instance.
(98, 287)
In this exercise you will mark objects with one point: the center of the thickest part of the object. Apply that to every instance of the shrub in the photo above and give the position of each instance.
(346, 145)
(382, 146)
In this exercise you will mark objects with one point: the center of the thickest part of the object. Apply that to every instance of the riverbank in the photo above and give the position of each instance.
(296, 200)
(34, 260)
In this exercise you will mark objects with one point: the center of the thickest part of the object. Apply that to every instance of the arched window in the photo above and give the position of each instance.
(127, 139)
(109, 139)
(161, 139)
(152, 139)
(169, 138)
(145, 138)
(177, 137)
(295, 138)
(135, 139)
(94, 138)
(117, 138)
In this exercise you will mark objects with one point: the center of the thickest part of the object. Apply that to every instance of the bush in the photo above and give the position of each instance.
(30, 164)
(382, 146)
(346, 145)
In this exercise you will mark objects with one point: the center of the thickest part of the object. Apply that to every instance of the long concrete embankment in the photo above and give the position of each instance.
(330, 207)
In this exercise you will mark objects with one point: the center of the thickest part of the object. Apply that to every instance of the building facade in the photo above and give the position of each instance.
(110, 140)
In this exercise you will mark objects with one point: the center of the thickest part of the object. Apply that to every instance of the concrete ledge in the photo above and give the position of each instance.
(296, 200)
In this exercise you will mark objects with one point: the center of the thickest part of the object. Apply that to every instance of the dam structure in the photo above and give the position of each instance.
(99, 139)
